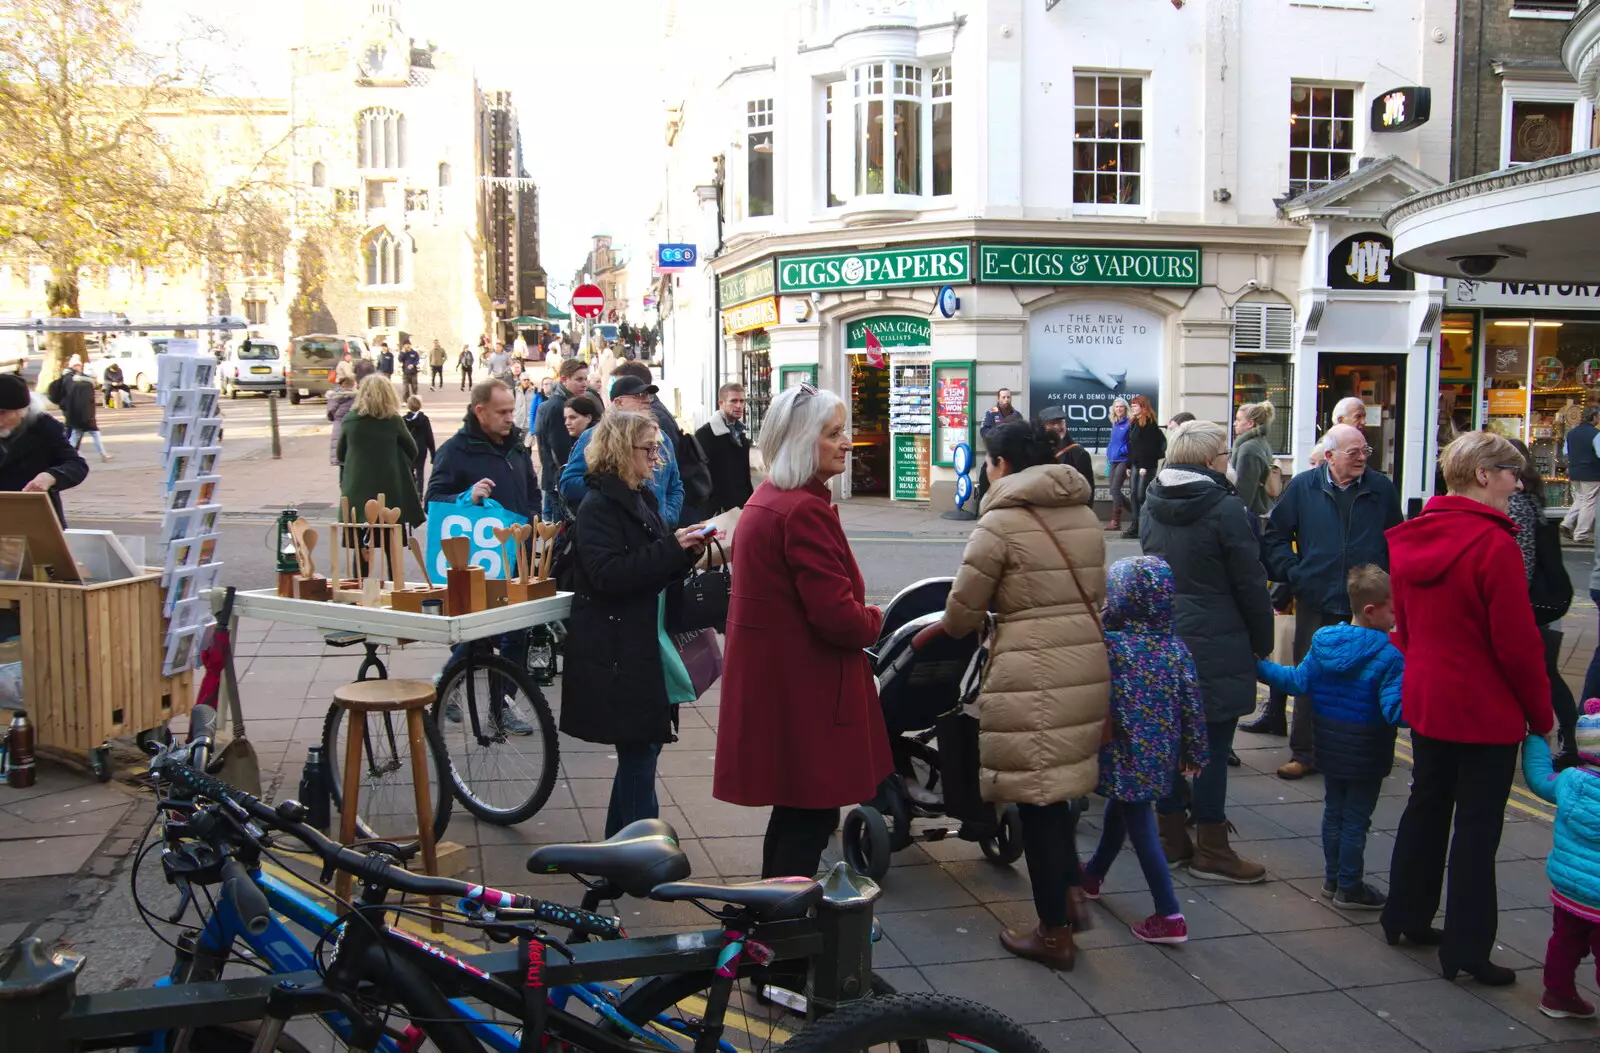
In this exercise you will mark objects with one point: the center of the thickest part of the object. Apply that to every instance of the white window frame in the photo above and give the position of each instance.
(391, 123)
(850, 97)
(760, 117)
(1358, 131)
(1512, 91)
(1095, 208)
(829, 132)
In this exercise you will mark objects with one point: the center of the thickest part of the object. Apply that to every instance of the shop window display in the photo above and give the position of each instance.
(1541, 372)
(757, 382)
(1261, 378)
(869, 427)
(1458, 377)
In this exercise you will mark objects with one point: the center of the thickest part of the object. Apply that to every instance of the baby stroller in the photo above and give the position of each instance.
(935, 746)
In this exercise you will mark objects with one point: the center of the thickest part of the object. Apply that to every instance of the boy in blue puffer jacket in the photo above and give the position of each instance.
(1352, 675)
(1574, 866)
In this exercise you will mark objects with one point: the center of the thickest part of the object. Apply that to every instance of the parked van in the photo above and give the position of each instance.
(253, 365)
(137, 357)
(312, 360)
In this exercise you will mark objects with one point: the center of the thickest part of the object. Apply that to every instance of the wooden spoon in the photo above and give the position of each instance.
(297, 530)
(309, 539)
(457, 550)
(416, 550)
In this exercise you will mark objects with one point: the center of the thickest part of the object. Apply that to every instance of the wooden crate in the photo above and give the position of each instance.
(91, 660)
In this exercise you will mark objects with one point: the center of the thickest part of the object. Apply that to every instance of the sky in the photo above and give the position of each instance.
(583, 75)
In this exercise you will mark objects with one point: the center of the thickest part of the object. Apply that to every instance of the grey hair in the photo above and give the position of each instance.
(789, 434)
(1342, 409)
(1197, 442)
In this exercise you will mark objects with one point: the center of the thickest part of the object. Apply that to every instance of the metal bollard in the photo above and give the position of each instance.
(843, 972)
(37, 988)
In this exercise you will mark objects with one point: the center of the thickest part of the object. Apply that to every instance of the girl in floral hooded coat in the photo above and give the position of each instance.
(1159, 728)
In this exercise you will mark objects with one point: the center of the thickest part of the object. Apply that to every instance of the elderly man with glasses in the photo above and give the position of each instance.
(1328, 520)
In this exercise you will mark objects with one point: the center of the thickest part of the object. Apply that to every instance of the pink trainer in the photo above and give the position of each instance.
(1158, 929)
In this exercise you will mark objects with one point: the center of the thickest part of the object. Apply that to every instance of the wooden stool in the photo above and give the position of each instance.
(387, 696)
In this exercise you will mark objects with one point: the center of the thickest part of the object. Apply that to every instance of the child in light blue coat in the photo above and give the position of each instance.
(1574, 865)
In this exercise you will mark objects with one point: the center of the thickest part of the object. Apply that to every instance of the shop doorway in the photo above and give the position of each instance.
(890, 374)
(1380, 382)
(869, 426)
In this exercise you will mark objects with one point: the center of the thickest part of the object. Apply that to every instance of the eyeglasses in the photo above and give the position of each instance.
(653, 449)
(1365, 451)
(806, 388)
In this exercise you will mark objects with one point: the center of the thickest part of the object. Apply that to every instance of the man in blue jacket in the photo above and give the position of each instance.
(487, 458)
(1328, 520)
(629, 394)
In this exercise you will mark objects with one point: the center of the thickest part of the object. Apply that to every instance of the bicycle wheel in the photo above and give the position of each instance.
(915, 1023)
(668, 1010)
(387, 806)
(500, 737)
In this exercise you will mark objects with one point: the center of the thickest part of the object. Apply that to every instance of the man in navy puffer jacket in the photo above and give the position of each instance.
(1352, 675)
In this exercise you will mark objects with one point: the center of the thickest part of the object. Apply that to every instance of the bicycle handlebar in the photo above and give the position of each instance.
(247, 899)
(370, 868)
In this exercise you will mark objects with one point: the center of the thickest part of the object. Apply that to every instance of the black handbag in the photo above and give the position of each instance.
(700, 600)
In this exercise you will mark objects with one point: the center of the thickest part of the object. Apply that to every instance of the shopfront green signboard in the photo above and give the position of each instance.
(879, 269)
(746, 284)
(1088, 265)
(892, 330)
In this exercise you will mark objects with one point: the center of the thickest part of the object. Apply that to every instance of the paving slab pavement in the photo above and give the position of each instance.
(1268, 966)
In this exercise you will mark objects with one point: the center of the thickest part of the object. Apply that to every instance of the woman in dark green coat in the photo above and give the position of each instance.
(377, 451)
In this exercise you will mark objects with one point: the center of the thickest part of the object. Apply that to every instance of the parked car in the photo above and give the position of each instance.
(253, 365)
(137, 357)
(312, 360)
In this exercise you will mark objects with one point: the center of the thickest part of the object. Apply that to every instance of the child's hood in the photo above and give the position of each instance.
(1579, 796)
(1139, 595)
(1344, 648)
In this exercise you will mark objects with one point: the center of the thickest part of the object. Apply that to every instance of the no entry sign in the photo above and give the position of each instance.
(588, 301)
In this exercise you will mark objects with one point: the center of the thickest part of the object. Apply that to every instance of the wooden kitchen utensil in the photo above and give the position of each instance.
(464, 583)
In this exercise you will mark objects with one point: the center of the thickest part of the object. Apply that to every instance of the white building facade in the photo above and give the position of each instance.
(1124, 199)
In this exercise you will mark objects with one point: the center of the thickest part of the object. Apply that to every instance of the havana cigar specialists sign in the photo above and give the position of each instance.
(1088, 265)
(879, 269)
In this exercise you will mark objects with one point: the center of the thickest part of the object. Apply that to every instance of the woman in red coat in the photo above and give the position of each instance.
(800, 728)
(1474, 686)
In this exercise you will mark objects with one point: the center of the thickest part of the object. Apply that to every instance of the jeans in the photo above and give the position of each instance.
(1347, 806)
(1119, 479)
(633, 788)
(549, 506)
(466, 379)
(1206, 801)
(1465, 784)
(1561, 700)
(1571, 939)
(76, 437)
(1136, 821)
(1591, 679)
(1052, 856)
(436, 378)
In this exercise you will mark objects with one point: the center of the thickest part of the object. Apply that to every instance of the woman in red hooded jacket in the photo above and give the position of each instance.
(1474, 686)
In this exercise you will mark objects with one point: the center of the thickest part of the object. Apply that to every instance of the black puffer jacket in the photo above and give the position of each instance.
(1193, 518)
(613, 689)
(1147, 444)
(39, 444)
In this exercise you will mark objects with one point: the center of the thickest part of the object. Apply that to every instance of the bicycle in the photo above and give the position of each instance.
(378, 970)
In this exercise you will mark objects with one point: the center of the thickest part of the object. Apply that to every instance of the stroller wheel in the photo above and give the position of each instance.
(895, 804)
(866, 842)
(1005, 847)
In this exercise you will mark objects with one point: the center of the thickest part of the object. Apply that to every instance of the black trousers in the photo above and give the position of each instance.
(1561, 699)
(436, 378)
(1051, 849)
(1469, 783)
(796, 838)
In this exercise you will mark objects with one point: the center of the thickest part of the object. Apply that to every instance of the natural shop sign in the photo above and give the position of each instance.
(1088, 265)
(884, 268)
(755, 315)
(745, 285)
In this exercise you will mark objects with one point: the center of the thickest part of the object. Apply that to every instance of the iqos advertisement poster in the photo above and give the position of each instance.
(1085, 355)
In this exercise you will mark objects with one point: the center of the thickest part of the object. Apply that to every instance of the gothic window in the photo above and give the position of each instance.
(383, 254)
(380, 139)
(319, 174)
(444, 173)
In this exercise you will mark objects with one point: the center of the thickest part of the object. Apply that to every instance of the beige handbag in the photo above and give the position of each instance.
(714, 556)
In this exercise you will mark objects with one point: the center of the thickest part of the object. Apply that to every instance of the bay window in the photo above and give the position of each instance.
(758, 131)
(898, 138)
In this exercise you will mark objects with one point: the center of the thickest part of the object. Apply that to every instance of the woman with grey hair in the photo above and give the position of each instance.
(800, 730)
(1196, 522)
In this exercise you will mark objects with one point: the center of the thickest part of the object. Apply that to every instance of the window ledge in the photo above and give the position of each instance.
(1346, 5)
(881, 208)
(1127, 211)
(1546, 16)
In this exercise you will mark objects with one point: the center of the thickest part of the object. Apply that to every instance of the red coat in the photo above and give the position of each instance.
(1474, 656)
(800, 723)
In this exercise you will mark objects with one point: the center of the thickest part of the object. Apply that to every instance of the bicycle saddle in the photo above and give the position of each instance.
(636, 858)
(774, 899)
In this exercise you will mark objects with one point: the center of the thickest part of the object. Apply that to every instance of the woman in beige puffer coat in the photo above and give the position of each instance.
(1045, 694)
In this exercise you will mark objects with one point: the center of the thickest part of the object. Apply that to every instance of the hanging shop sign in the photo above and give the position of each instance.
(892, 330)
(1462, 292)
(1402, 109)
(1088, 265)
(673, 256)
(758, 314)
(1087, 354)
(1366, 261)
(880, 269)
(750, 283)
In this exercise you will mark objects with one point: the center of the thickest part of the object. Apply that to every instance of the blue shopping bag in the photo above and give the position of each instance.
(477, 522)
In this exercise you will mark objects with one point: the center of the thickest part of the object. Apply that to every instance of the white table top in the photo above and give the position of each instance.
(388, 626)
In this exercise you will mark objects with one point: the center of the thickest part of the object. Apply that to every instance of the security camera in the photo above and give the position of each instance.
(1478, 265)
(1252, 284)
(816, 298)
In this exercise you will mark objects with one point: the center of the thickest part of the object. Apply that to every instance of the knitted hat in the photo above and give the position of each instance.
(1587, 736)
(13, 392)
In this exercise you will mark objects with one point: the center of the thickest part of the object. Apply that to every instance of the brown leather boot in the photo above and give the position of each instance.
(1216, 860)
(1116, 520)
(1052, 947)
(1174, 830)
